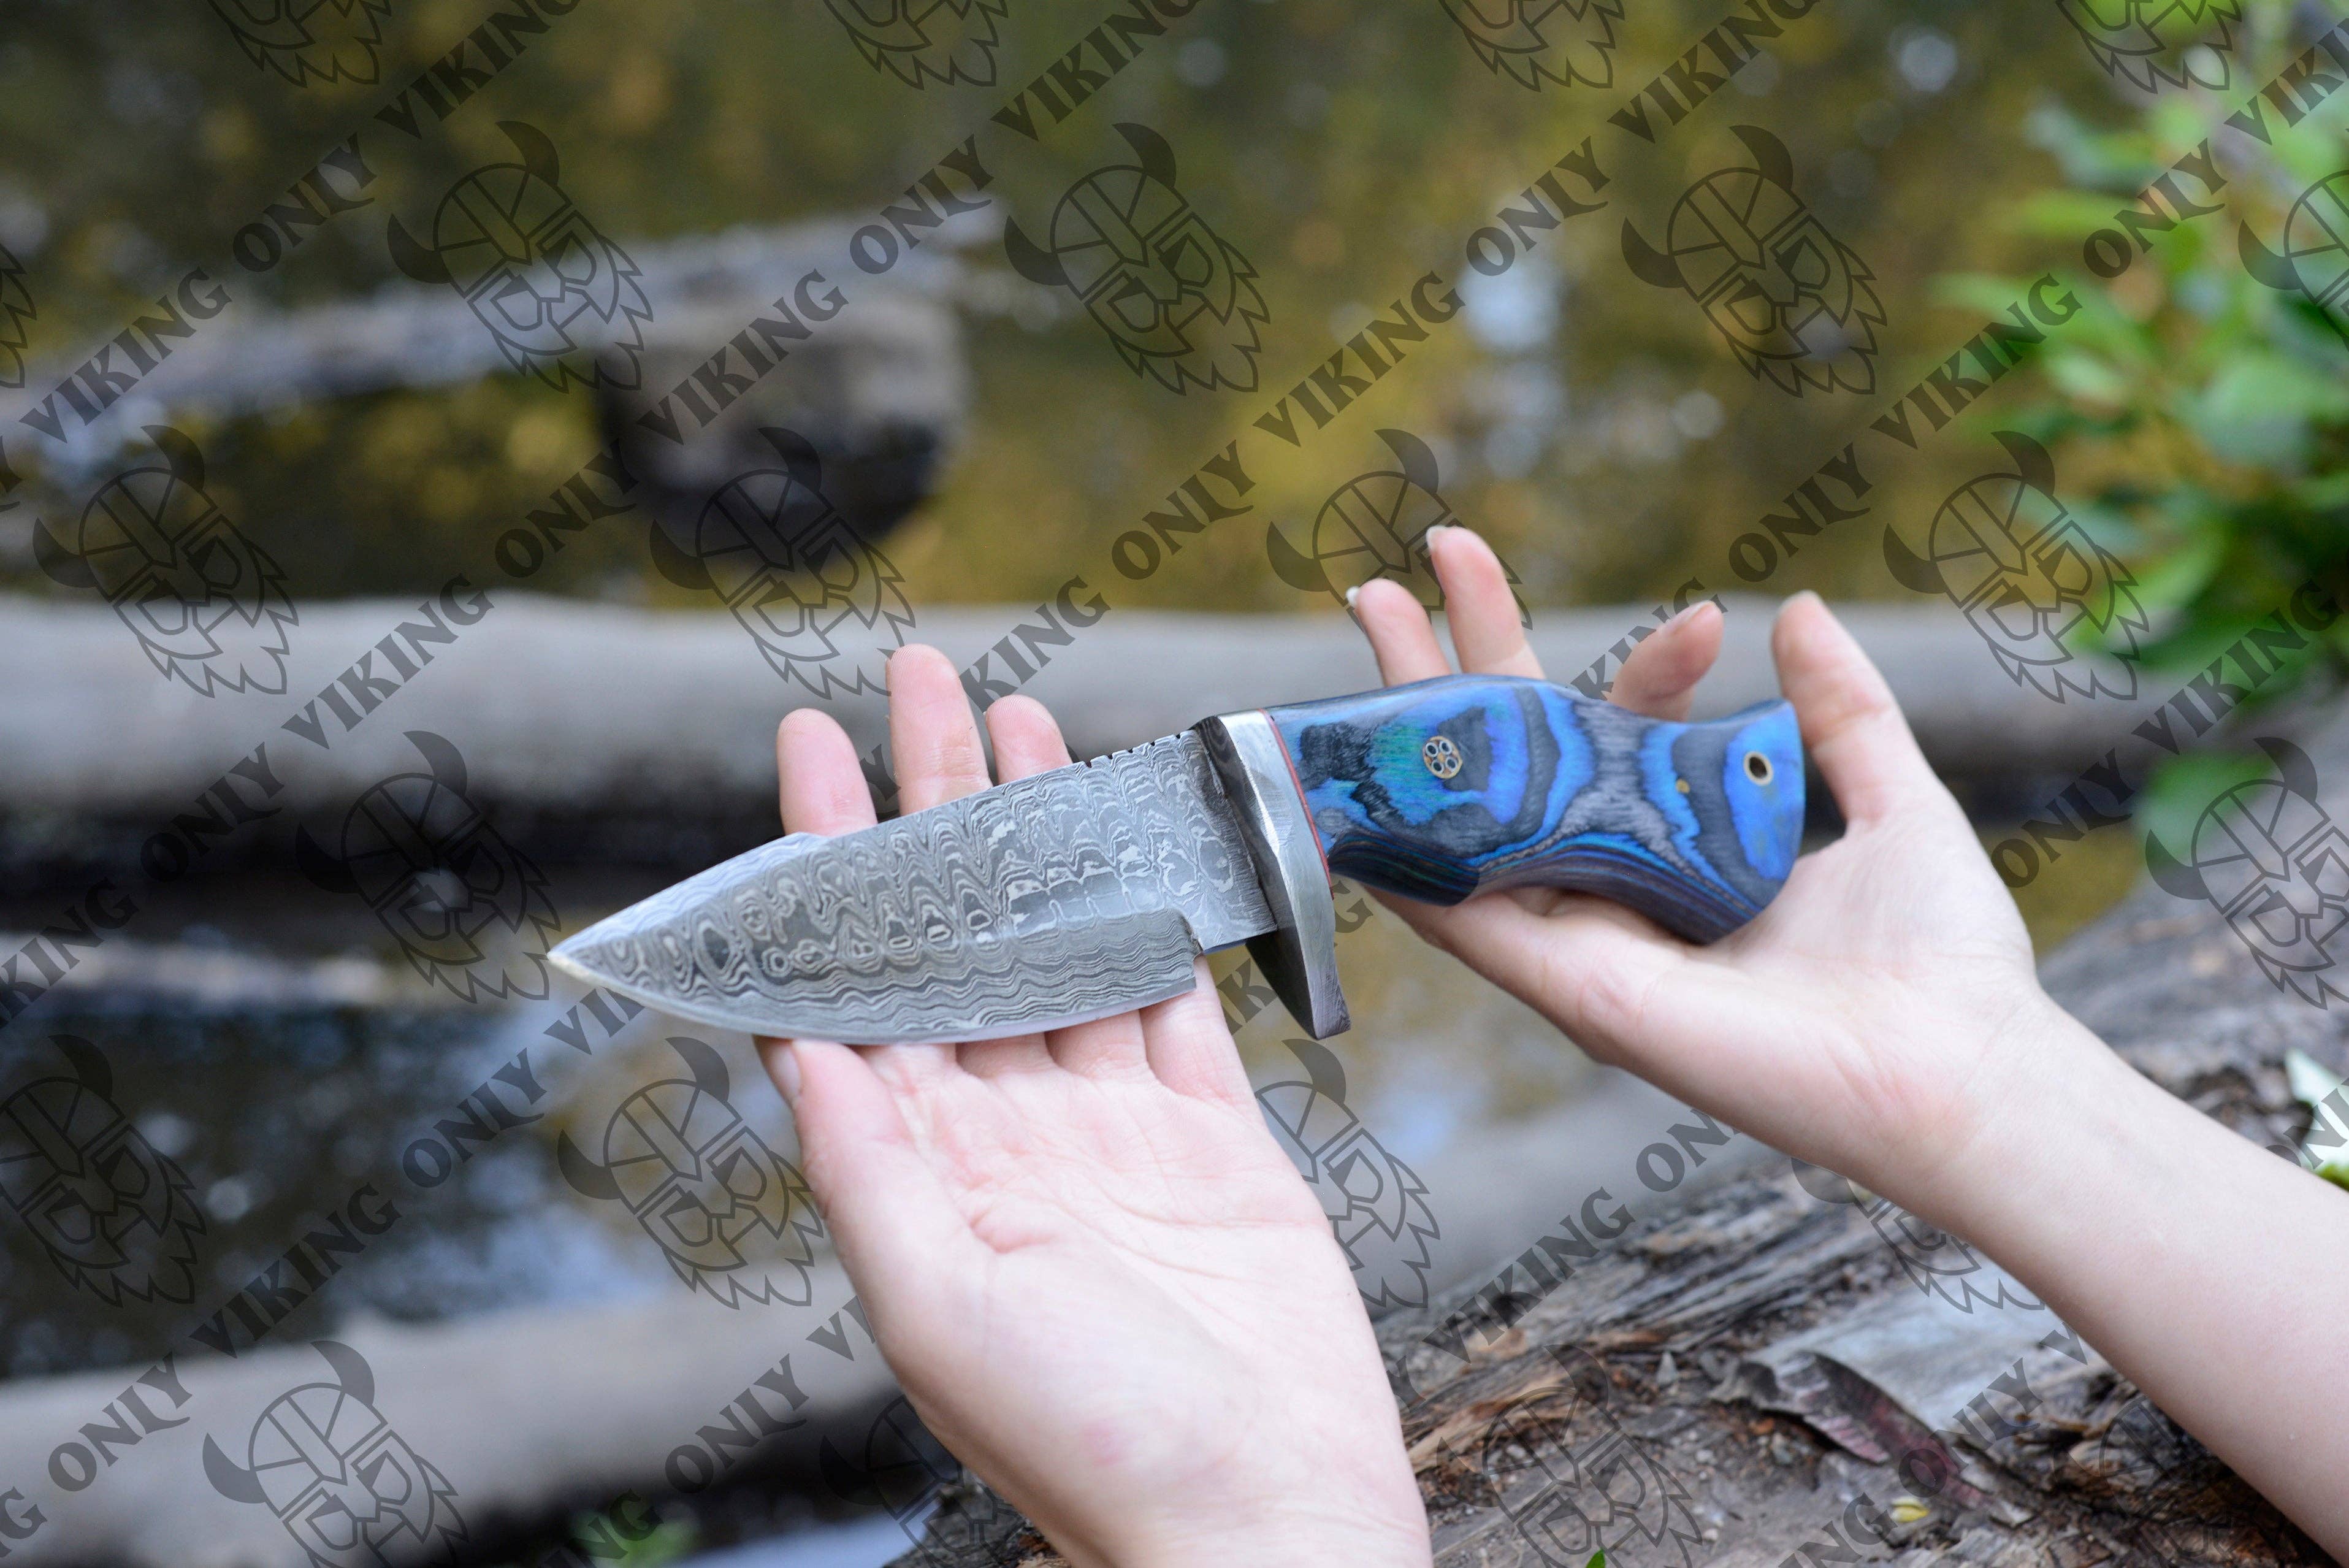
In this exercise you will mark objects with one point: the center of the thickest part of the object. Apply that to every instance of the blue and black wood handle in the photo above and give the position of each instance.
(1458, 786)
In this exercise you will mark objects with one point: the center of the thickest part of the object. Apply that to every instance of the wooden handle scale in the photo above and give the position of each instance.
(1458, 786)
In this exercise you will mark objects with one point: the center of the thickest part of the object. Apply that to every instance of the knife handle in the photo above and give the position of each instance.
(1459, 786)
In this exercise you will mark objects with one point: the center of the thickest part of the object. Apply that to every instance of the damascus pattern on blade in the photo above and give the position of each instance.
(1065, 896)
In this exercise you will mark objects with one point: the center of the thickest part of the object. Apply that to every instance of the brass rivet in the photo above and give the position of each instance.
(1441, 757)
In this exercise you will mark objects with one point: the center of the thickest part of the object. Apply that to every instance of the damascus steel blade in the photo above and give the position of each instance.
(1050, 901)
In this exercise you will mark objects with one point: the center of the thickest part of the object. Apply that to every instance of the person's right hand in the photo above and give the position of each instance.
(1872, 1017)
(1883, 1018)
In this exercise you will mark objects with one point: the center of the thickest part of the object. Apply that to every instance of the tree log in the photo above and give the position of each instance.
(1790, 1371)
(537, 1414)
(667, 717)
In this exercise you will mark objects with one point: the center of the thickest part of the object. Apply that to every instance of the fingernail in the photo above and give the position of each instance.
(1351, 594)
(1686, 612)
(783, 1057)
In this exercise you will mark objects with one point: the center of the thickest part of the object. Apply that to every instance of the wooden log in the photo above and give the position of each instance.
(1792, 1371)
(661, 718)
(529, 1415)
(703, 288)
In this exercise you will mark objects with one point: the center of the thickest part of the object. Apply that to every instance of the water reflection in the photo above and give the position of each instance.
(291, 1121)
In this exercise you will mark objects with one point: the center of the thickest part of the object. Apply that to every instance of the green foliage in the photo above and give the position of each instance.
(2200, 417)
(2173, 804)
(666, 1542)
(2325, 1150)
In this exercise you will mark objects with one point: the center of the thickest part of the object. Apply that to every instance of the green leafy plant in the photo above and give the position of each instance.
(664, 1543)
(2326, 1149)
(2200, 415)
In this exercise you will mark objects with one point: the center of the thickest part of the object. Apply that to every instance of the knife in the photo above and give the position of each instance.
(1090, 891)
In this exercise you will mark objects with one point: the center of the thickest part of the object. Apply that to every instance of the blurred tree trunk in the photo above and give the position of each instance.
(1793, 1366)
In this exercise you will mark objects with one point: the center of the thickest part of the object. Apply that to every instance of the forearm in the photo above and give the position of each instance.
(1288, 1541)
(2205, 1269)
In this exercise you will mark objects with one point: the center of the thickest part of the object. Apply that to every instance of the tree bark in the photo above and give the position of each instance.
(1790, 1371)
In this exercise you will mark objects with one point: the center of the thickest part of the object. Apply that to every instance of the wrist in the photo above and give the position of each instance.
(2059, 1111)
(1290, 1541)
(1377, 1523)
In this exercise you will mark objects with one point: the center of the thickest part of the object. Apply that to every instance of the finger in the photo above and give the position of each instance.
(1026, 741)
(898, 1232)
(824, 792)
(1400, 633)
(1851, 727)
(821, 787)
(911, 1071)
(1191, 1049)
(931, 732)
(1027, 738)
(1479, 605)
(1593, 965)
(1661, 673)
(1111, 1048)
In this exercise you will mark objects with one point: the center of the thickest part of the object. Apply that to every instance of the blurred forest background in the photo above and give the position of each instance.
(1593, 426)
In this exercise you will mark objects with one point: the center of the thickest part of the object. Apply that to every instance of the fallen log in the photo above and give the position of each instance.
(1792, 1370)
(522, 1417)
(657, 718)
(415, 336)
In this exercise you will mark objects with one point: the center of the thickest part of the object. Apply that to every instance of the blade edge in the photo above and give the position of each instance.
(1151, 986)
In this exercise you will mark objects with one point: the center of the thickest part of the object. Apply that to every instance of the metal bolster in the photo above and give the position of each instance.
(1300, 954)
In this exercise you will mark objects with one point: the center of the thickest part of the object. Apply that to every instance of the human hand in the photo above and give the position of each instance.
(1101, 1281)
(1883, 1017)
(1874, 1015)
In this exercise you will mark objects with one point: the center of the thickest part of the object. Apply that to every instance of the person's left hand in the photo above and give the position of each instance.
(1101, 1283)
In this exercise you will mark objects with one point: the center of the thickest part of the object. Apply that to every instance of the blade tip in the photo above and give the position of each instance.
(570, 956)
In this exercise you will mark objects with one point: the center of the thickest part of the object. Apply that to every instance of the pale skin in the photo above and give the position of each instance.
(1104, 1287)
